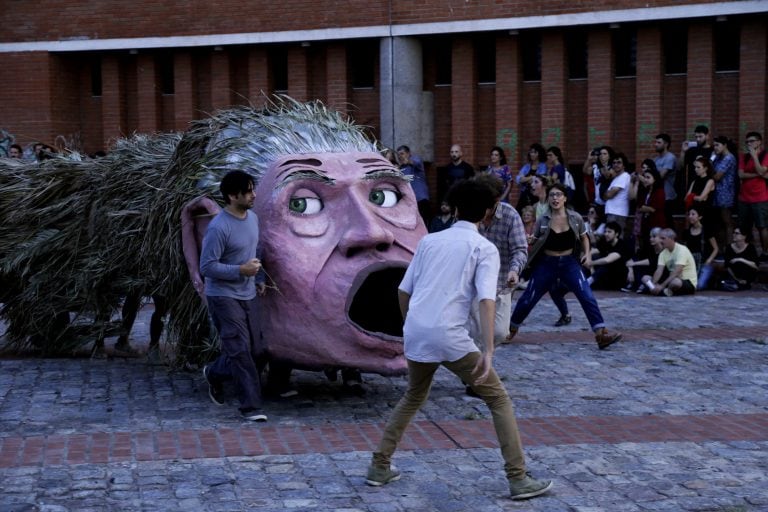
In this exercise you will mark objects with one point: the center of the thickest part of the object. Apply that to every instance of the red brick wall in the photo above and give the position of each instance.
(463, 98)
(148, 17)
(648, 100)
(753, 82)
(553, 97)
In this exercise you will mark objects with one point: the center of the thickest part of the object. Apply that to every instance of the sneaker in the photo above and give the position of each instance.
(528, 487)
(253, 415)
(378, 475)
(563, 320)
(668, 292)
(627, 288)
(215, 390)
(641, 289)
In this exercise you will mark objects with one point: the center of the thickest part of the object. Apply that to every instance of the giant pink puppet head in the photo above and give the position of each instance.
(338, 225)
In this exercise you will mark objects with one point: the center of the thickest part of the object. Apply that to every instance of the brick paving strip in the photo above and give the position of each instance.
(253, 439)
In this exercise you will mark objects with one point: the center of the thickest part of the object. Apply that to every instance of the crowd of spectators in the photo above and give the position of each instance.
(710, 195)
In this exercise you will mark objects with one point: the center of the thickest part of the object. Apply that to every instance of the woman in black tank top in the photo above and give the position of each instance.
(561, 240)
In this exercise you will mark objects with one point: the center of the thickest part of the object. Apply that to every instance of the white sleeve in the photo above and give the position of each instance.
(487, 272)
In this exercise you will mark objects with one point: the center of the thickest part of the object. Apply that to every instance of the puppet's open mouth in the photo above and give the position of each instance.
(373, 306)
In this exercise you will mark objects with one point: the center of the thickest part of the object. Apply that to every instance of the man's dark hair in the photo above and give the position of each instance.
(403, 148)
(234, 183)
(491, 181)
(17, 147)
(755, 135)
(702, 128)
(666, 138)
(471, 199)
(624, 160)
(615, 227)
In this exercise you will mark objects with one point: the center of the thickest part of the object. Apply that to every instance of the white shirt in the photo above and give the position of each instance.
(619, 204)
(451, 269)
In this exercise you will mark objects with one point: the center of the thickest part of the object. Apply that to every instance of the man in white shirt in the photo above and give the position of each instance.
(450, 270)
(617, 195)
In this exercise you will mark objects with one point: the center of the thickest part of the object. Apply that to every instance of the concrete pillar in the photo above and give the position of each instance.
(405, 111)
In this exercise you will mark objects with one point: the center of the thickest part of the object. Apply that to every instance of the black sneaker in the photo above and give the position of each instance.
(253, 415)
(215, 390)
(628, 288)
(641, 289)
(563, 320)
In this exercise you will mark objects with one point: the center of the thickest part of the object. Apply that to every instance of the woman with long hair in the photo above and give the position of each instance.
(534, 167)
(649, 194)
(701, 193)
(499, 168)
(561, 246)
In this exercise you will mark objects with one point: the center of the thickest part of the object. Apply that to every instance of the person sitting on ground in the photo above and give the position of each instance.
(609, 258)
(442, 221)
(741, 263)
(450, 271)
(676, 271)
(561, 247)
(700, 240)
(644, 262)
(595, 224)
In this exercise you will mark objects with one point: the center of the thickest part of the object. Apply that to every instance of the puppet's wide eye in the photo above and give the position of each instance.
(305, 205)
(384, 197)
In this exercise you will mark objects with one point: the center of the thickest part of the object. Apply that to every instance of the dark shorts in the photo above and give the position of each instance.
(753, 214)
(686, 289)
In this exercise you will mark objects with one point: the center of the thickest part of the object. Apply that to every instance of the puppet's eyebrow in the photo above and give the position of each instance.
(377, 174)
(304, 174)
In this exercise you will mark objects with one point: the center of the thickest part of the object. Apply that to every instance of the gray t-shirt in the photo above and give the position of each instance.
(228, 243)
(667, 161)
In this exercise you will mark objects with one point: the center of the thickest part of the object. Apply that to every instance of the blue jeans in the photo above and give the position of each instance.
(548, 270)
(705, 273)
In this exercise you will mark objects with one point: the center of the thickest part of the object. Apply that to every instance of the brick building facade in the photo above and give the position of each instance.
(427, 74)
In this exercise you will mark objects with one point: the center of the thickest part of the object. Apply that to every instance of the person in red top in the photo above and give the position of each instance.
(753, 192)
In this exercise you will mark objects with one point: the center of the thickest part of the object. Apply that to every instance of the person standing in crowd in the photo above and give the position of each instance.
(411, 165)
(535, 167)
(233, 279)
(691, 150)
(499, 168)
(701, 193)
(723, 206)
(15, 151)
(457, 169)
(557, 171)
(561, 246)
(451, 270)
(617, 195)
(753, 192)
(666, 164)
(648, 192)
(598, 165)
(443, 220)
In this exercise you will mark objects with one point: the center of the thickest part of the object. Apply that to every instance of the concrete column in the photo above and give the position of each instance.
(404, 115)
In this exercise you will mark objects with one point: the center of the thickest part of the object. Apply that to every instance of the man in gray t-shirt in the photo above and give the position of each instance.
(233, 277)
(666, 164)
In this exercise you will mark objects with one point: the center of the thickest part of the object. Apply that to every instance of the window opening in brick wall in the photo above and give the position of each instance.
(674, 44)
(443, 62)
(166, 72)
(576, 46)
(625, 51)
(530, 48)
(485, 59)
(96, 83)
(362, 56)
(278, 69)
(727, 45)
